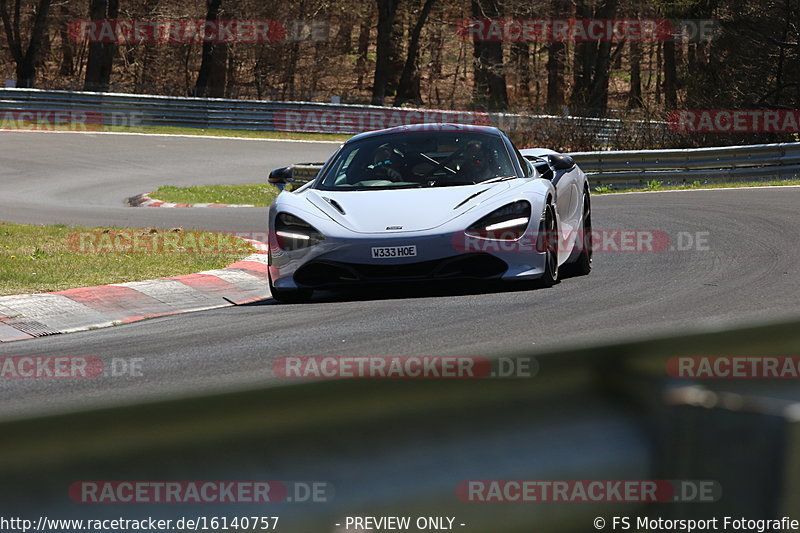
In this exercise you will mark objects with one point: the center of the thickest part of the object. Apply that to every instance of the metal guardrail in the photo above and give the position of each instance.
(305, 172)
(727, 163)
(637, 167)
(113, 109)
(606, 167)
(400, 447)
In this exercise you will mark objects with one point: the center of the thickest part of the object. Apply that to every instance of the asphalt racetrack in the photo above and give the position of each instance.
(746, 267)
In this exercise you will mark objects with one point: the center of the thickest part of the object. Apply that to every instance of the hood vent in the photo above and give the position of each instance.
(335, 204)
(468, 198)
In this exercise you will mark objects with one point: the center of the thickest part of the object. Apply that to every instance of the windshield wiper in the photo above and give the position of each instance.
(450, 183)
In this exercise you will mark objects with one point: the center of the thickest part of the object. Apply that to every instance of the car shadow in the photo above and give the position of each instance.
(418, 289)
(406, 290)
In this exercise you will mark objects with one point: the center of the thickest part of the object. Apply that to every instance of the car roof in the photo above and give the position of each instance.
(428, 127)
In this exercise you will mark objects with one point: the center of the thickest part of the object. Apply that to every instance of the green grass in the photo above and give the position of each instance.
(37, 259)
(262, 195)
(653, 185)
(659, 186)
(258, 194)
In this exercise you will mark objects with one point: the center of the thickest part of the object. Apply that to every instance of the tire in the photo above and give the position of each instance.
(549, 229)
(289, 296)
(583, 264)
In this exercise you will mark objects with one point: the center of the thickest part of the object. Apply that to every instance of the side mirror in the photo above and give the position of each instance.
(560, 161)
(544, 170)
(280, 177)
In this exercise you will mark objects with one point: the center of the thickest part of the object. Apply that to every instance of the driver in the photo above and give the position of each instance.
(384, 164)
(475, 165)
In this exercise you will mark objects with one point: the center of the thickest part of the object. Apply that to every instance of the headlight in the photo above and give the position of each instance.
(507, 223)
(294, 233)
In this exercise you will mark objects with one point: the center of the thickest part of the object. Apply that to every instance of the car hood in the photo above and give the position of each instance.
(402, 210)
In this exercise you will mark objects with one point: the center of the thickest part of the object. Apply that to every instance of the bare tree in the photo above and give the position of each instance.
(490, 80)
(521, 59)
(25, 57)
(598, 99)
(344, 36)
(214, 66)
(583, 61)
(67, 65)
(556, 55)
(364, 31)
(670, 75)
(101, 54)
(408, 89)
(386, 49)
(593, 62)
(635, 91)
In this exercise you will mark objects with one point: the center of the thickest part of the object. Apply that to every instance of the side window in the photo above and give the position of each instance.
(338, 175)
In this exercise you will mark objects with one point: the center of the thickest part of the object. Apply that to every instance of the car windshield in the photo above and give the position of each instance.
(418, 159)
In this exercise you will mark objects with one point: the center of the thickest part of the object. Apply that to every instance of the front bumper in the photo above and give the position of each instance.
(342, 262)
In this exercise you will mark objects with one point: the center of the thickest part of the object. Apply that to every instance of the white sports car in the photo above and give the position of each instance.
(429, 202)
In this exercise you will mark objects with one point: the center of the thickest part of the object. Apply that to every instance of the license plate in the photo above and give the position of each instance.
(388, 252)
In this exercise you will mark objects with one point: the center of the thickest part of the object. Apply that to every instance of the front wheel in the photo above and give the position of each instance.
(548, 231)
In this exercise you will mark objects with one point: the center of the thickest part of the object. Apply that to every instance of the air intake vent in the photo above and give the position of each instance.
(335, 204)
(468, 198)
